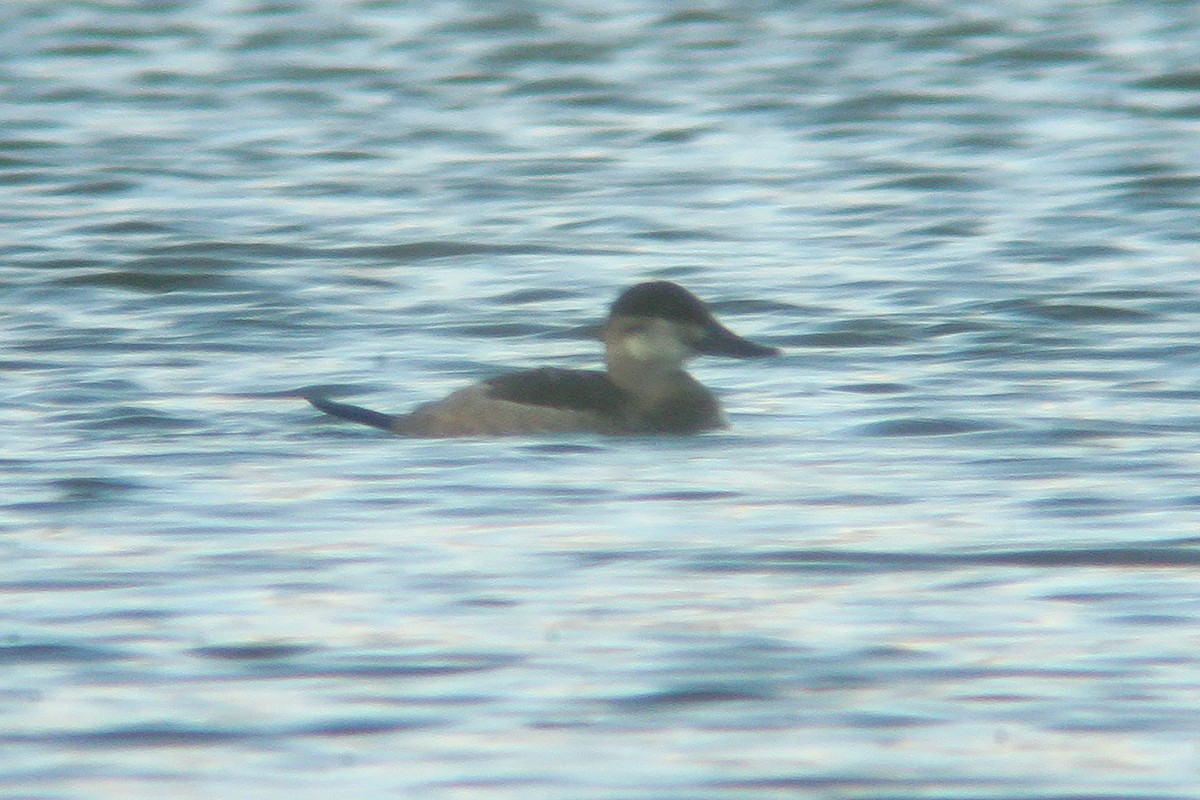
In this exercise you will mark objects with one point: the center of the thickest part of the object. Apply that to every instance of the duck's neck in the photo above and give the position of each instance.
(649, 381)
(664, 398)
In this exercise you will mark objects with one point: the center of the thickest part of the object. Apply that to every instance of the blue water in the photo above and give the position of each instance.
(948, 549)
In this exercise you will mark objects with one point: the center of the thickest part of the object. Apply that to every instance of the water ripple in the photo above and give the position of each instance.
(948, 539)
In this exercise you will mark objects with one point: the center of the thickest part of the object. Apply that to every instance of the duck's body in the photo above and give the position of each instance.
(548, 400)
(652, 329)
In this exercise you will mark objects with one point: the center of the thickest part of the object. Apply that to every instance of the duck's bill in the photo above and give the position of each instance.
(720, 341)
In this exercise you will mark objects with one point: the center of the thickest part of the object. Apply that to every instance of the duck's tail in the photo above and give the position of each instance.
(364, 416)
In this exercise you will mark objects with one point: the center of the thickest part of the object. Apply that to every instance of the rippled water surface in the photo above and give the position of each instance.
(949, 547)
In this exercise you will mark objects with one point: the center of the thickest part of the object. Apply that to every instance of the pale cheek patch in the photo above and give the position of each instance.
(655, 344)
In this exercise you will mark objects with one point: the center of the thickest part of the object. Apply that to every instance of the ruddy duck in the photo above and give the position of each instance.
(652, 329)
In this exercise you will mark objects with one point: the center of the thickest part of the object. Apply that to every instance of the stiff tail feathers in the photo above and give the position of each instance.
(364, 416)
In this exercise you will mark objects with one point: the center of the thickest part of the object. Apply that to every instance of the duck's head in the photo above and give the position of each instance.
(660, 323)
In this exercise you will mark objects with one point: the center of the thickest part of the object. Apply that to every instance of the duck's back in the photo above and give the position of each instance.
(535, 401)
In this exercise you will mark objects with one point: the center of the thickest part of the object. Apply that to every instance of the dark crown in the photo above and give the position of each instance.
(662, 300)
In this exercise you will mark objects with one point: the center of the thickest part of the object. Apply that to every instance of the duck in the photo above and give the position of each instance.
(652, 330)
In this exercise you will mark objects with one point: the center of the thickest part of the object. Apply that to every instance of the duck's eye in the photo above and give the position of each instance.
(695, 333)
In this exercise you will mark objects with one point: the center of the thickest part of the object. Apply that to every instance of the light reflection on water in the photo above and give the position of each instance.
(947, 548)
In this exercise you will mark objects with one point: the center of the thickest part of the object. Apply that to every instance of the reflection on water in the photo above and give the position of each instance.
(947, 548)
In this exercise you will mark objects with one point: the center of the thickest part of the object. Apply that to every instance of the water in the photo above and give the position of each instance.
(948, 548)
